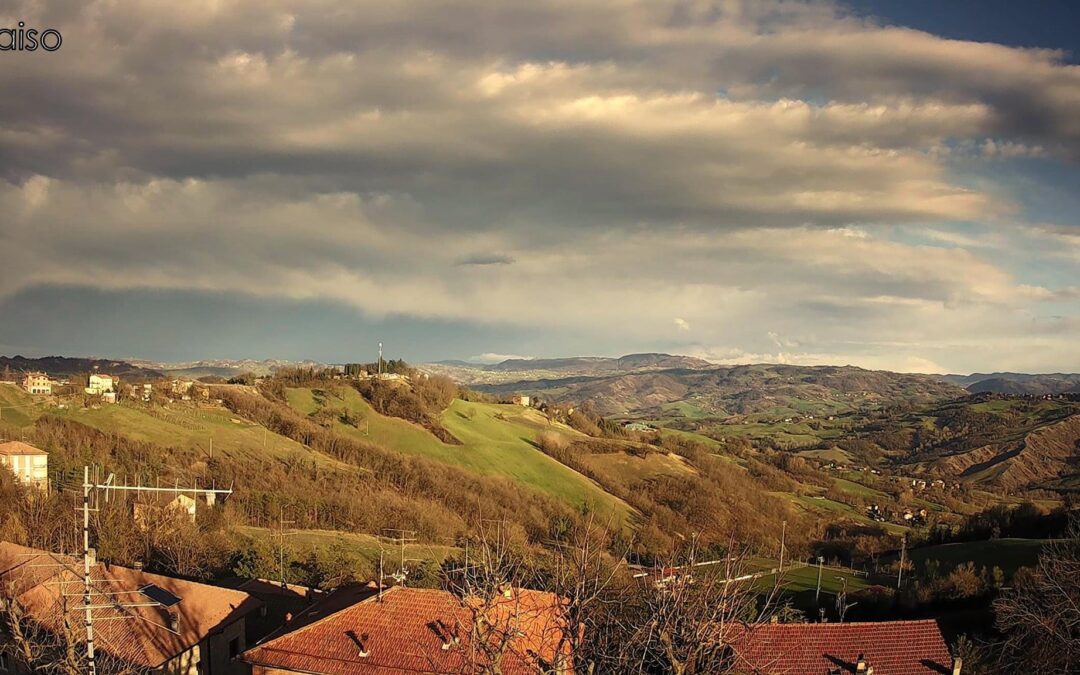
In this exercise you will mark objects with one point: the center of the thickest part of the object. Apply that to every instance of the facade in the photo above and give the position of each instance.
(179, 627)
(418, 630)
(30, 464)
(99, 385)
(524, 401)
(37, 383)
(886, 647)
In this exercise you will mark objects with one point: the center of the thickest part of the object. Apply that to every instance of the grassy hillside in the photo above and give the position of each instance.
(495, 439)
(364, 546)
(17, 407)
(191, 427)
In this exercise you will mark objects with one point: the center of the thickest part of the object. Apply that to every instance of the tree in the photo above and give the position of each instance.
(1040, 617)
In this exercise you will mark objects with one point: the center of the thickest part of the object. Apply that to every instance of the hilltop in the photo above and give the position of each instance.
(1018, 383)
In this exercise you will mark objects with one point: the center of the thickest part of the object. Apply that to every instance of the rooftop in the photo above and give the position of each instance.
(10, 448)
(144, 640)
(889, 647)
(414, 630)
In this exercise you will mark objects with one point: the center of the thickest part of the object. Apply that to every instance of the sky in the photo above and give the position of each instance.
(887, 184)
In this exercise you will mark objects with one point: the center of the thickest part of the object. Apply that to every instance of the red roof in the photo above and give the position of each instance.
(890, 648)
(418, 630)
(39, 579)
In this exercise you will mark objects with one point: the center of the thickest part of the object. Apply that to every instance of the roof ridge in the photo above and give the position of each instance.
(301, 629)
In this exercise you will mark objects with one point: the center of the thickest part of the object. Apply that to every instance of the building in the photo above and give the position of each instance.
(153, 512)
(30, 464)
(172, 626)
(37, 383)
(884, 648)
(417, 630)
(523, 401)
(99, 385)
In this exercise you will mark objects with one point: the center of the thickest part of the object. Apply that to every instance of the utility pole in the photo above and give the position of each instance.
(783, 536)
(380, 358)
(281, 544)
(817, 593)
(900, 571)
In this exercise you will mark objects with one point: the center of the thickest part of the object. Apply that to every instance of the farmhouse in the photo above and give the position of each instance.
(30, 464)
(99, 385)
(418, 630)
(37, 383)
(522, 401)
(173, 626)
(909, 647)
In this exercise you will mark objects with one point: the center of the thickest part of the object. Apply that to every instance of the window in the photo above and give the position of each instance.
(234, 647)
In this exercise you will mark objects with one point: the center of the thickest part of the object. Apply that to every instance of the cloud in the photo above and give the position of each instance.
(486, 259)
(570, 167)
(489, 357)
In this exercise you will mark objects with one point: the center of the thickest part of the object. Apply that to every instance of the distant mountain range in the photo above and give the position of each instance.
(224, 367)
(516, 370)
(1018, 383)
(65, 366)
(662, 385)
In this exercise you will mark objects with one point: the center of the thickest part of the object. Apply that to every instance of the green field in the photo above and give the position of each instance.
(192, 427)
(17, 407)
(1008, 554)
(495, 440)
(364, 546)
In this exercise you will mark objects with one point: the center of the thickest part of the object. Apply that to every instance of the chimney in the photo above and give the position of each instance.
(174, 621)
(957, 663)
(137, 566)
(860, 665)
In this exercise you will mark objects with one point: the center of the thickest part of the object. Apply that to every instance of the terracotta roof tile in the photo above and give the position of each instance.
(890, 648)
(145, 639)
(406, 632)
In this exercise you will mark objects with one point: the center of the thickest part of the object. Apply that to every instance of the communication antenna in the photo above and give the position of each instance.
(90, 556)
(400, 538)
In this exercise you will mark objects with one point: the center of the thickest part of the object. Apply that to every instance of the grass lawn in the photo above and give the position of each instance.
(495, 440)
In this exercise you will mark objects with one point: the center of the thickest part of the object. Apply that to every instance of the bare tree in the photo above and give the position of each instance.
(1041, 615)
(688, 614)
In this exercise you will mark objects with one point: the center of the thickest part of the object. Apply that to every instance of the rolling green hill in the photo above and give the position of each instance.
(17, 408)
(495, 439)
(191, 427)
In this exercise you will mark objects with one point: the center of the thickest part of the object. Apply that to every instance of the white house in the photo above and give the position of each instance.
(101, 384)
